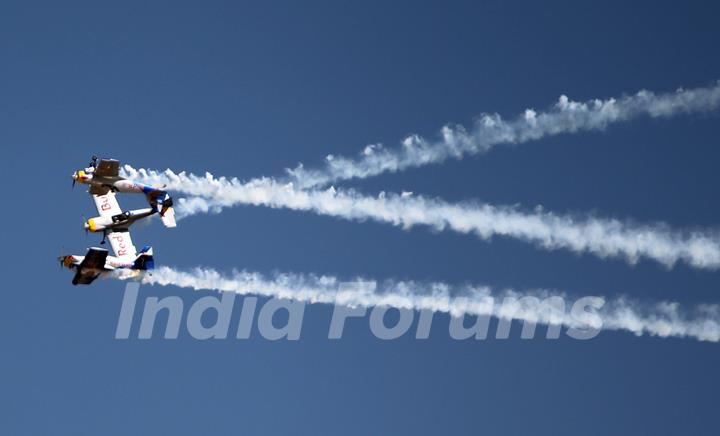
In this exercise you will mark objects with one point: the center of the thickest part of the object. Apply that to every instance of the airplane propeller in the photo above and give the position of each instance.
(61, 258)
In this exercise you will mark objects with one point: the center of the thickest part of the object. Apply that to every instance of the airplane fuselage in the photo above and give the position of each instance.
(111, 263)
(115, 184)
(122, 220)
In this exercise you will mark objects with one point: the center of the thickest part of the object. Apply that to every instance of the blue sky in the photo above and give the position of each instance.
(243, 89)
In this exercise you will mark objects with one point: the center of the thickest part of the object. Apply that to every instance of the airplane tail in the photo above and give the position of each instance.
(145, 260)
(163, 203)
(167, 215)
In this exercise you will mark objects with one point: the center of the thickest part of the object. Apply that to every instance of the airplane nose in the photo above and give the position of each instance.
(66, 261)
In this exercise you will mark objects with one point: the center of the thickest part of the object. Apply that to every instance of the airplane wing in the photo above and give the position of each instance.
(108, 168)
(91, 266)
(84, 279)
(94, 258)
(122, 245)
(106, 204)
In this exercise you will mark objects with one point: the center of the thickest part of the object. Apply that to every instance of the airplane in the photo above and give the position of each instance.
(115, 225)
(97, 262)
(113, 219)
(104, 177)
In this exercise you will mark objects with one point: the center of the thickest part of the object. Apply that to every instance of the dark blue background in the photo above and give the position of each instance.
(244, 90)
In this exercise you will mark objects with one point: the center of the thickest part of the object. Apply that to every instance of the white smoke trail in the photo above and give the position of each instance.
(601, 237)
(661, 319)
(566, 116)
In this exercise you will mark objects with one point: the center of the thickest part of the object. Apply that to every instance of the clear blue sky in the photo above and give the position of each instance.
(245, 90)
